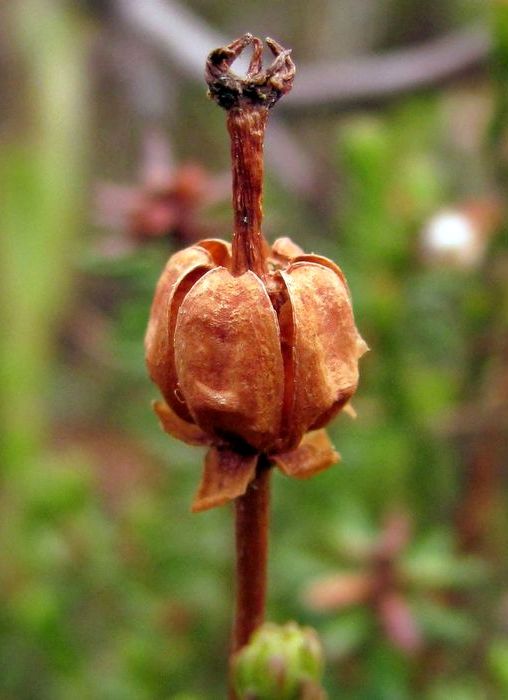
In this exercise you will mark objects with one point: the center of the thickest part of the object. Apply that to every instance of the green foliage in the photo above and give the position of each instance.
(498, 662)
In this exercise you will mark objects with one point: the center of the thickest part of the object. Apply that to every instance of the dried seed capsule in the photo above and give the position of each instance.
(253, 363)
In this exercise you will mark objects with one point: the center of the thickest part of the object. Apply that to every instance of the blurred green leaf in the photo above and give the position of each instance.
(432, 563)
(446, 625)
(345, 633)
(498, 663)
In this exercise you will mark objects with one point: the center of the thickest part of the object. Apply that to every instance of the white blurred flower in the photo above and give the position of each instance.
(453, 237)
(458, 236)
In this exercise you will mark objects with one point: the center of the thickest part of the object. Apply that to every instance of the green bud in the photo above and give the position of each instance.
(280, 663)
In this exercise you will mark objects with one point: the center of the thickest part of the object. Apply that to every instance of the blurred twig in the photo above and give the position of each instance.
(369, 79)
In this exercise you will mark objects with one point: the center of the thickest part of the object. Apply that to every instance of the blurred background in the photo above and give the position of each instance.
(391, 157)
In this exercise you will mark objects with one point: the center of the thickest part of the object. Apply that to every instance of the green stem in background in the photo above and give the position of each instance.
(41, 185)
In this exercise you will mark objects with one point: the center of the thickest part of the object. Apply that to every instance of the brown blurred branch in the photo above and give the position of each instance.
(484, 450)
(371, 79)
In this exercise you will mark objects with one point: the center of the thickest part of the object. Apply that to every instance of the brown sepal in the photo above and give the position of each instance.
(286, 249)
(226, 476)
(314, 454)
(177, 427)
(219, 250)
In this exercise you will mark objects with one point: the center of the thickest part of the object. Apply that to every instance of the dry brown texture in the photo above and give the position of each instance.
(179, 428)
(326, 346)
(314, 454)
(159, 336)
(247, 131)
(219, 250)
(228, 358)
(227, 475)
(251, 363)
(286, 248)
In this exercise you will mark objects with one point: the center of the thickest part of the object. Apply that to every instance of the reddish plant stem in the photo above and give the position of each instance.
(246, 126)
(481, 493)
(252, 516)
(252, 519)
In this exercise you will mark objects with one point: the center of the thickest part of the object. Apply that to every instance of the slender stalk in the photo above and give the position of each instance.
(246, 126)
(252, 519)
(252, 515)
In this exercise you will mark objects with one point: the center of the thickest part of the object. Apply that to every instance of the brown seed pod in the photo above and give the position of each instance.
(250, 364)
